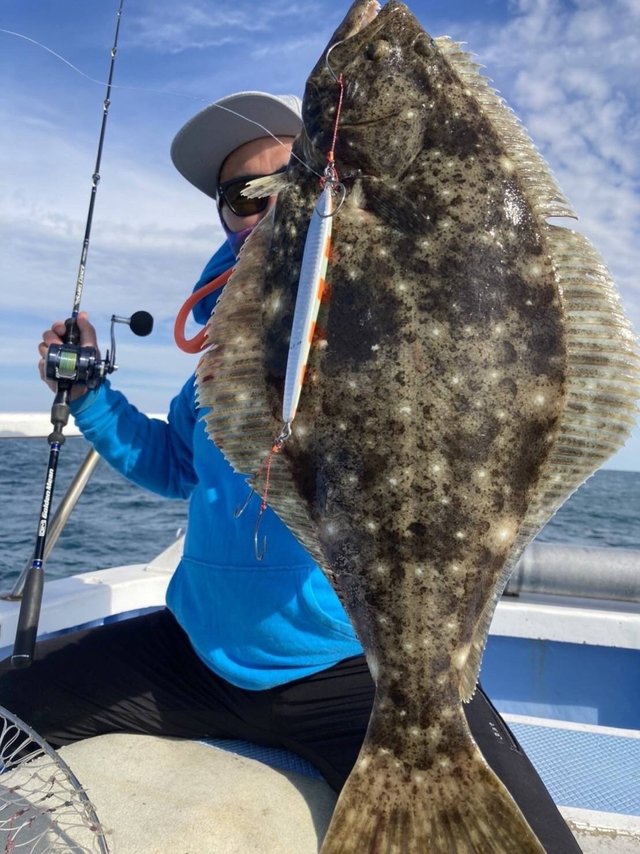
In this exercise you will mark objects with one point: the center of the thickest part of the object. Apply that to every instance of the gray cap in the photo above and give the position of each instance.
(202, 145)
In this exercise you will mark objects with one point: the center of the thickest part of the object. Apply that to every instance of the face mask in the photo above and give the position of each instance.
(235, 239)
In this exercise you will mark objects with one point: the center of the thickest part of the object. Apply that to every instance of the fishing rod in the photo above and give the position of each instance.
(69, 364)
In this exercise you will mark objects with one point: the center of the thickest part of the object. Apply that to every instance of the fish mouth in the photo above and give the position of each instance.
(363, 123)
(361, 14)
(361, 18)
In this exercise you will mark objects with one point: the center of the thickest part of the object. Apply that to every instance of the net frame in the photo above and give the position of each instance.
(43, 806)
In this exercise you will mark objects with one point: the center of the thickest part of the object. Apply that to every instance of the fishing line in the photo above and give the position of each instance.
(53, 53)
(149, 91)
(272, 135)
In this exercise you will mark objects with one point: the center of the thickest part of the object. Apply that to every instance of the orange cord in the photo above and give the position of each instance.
(197, 343)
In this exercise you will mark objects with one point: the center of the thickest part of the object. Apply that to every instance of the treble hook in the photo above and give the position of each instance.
(260, 553)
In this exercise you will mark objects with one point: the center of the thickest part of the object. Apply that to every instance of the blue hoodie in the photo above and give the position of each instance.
(255, 623)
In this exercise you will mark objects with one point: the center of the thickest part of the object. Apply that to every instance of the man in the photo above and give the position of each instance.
(244, 649)
(261, 651)
(227, 140)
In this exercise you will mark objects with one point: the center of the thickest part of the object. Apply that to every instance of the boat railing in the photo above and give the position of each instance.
(559, 569)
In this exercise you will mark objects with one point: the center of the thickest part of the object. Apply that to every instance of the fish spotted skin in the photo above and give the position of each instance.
(475, 367)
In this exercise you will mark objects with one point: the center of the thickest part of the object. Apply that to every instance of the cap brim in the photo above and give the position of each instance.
(202, 145)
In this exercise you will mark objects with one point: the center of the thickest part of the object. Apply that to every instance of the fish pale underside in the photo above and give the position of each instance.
(472, 365)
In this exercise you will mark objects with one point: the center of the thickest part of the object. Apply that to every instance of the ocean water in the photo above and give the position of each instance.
(116, 522)
(113, 523)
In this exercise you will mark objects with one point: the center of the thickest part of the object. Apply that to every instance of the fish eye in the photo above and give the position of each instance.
(378, 50)
(423, 46)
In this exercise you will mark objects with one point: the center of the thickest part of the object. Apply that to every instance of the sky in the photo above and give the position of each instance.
(568, 68)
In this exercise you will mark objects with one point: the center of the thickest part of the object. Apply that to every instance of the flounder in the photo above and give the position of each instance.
(472, 366)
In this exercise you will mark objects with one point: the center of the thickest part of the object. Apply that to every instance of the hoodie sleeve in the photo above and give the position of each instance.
(155, 454)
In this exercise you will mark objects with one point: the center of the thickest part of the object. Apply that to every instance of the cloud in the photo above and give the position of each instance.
(310, 46)
(141, 208)
(202, 25)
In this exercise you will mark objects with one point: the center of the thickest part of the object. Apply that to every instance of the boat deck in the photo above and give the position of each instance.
(232, 797)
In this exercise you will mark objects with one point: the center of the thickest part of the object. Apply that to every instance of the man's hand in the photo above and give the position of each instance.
(55, 335)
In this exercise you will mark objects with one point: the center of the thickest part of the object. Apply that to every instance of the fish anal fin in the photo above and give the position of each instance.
(231, 370)
(602, 389)
(231, 384)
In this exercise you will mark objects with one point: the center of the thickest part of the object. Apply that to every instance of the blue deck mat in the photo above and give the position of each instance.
(275, 757)
(592, 771)
(588, 770)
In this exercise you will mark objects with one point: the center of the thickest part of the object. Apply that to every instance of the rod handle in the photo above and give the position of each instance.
(28, 618)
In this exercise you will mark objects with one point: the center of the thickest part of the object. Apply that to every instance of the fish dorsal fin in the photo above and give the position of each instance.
(600, 407)
(268, 185)
(603, 376)
(603, 361)
(539, 185)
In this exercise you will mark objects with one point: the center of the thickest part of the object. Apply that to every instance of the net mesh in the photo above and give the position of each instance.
(43, 807)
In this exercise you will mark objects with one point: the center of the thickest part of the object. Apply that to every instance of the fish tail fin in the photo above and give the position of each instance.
(461, 808)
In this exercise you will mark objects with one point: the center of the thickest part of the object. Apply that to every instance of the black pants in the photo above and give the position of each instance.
(142, 676)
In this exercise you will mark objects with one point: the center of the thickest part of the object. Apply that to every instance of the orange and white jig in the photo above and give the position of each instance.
(311, 286)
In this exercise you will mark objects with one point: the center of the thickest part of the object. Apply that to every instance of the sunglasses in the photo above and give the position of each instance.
(230, 194)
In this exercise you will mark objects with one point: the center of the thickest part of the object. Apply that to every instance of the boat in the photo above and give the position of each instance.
(562, 666)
